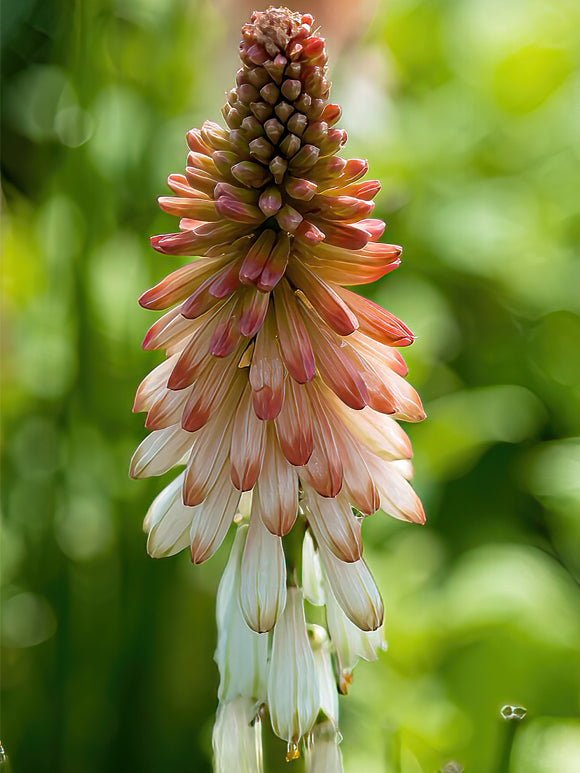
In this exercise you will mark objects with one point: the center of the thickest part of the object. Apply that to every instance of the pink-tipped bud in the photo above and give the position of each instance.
(247, 93)
(374, 227)
(276, 264)
(258, 77)
(294, 51)
(270, 93)
(235, 192)
(250, 174)
(289, 218)
(354, 169)
(261, 110)
(232, 117)
(283, 110)
(349, 237)
(200, 181)
(256, 55)
(304, 160)
(366, 190)
(225, 281)
(195, 141)
(235, 210)
(224, 338)
(214, 136)
(276, 68)
(303, 103)
(331, 114)
(252, 127)
(316, 132)
(301, 189)
(297, 124)
(261, 149)
(274, 130)
(291, 89)
(328, 170)
(309, 233)
(290, 145)
(333, 141)
(223, 161)
(278, 167)
(270, 201)
(256, 257)
(313, 47)
(347, 208)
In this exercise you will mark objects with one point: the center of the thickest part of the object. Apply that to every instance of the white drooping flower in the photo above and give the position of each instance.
(293, 691)
(263, 580)
(312, 581)
(349, 641)
(322, 750)
(237, 738)
(321, 648)
(241, 653)
(354, 589)
(167, 522)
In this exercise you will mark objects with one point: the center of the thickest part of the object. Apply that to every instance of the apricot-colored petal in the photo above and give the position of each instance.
(323, 471)
(334, 521)
(294, 424)
(267, 372)
(295, 344)
(178, 285)
(277, 488)
(212, 519)
(248, 443)
(327, 302)
(338, 369)
(253, 310)
(376, 322)
(216, 379)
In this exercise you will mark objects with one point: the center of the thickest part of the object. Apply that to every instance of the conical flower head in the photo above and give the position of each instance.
(276, 376)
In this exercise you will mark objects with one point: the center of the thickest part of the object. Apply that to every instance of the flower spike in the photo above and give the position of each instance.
(280, 394)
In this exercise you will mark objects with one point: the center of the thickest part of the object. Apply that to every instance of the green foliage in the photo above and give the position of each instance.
(468, 112)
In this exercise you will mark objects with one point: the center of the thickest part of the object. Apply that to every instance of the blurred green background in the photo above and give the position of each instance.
(469, 111)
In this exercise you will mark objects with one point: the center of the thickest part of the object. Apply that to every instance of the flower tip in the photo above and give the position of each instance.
(147, 345)
(293, 752)
(313, 47)
(344, 682)
(156, 243)
(405, 340)
(355, 168)
(178, 378)
(309, 233)
(153, 422)
(149, 300)
(199, 554)
(416, 513)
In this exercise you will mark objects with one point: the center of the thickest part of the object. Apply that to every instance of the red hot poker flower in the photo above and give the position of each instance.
(279, 380)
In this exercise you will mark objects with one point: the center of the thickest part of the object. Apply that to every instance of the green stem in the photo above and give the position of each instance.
(512, 717)
(292, 544)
